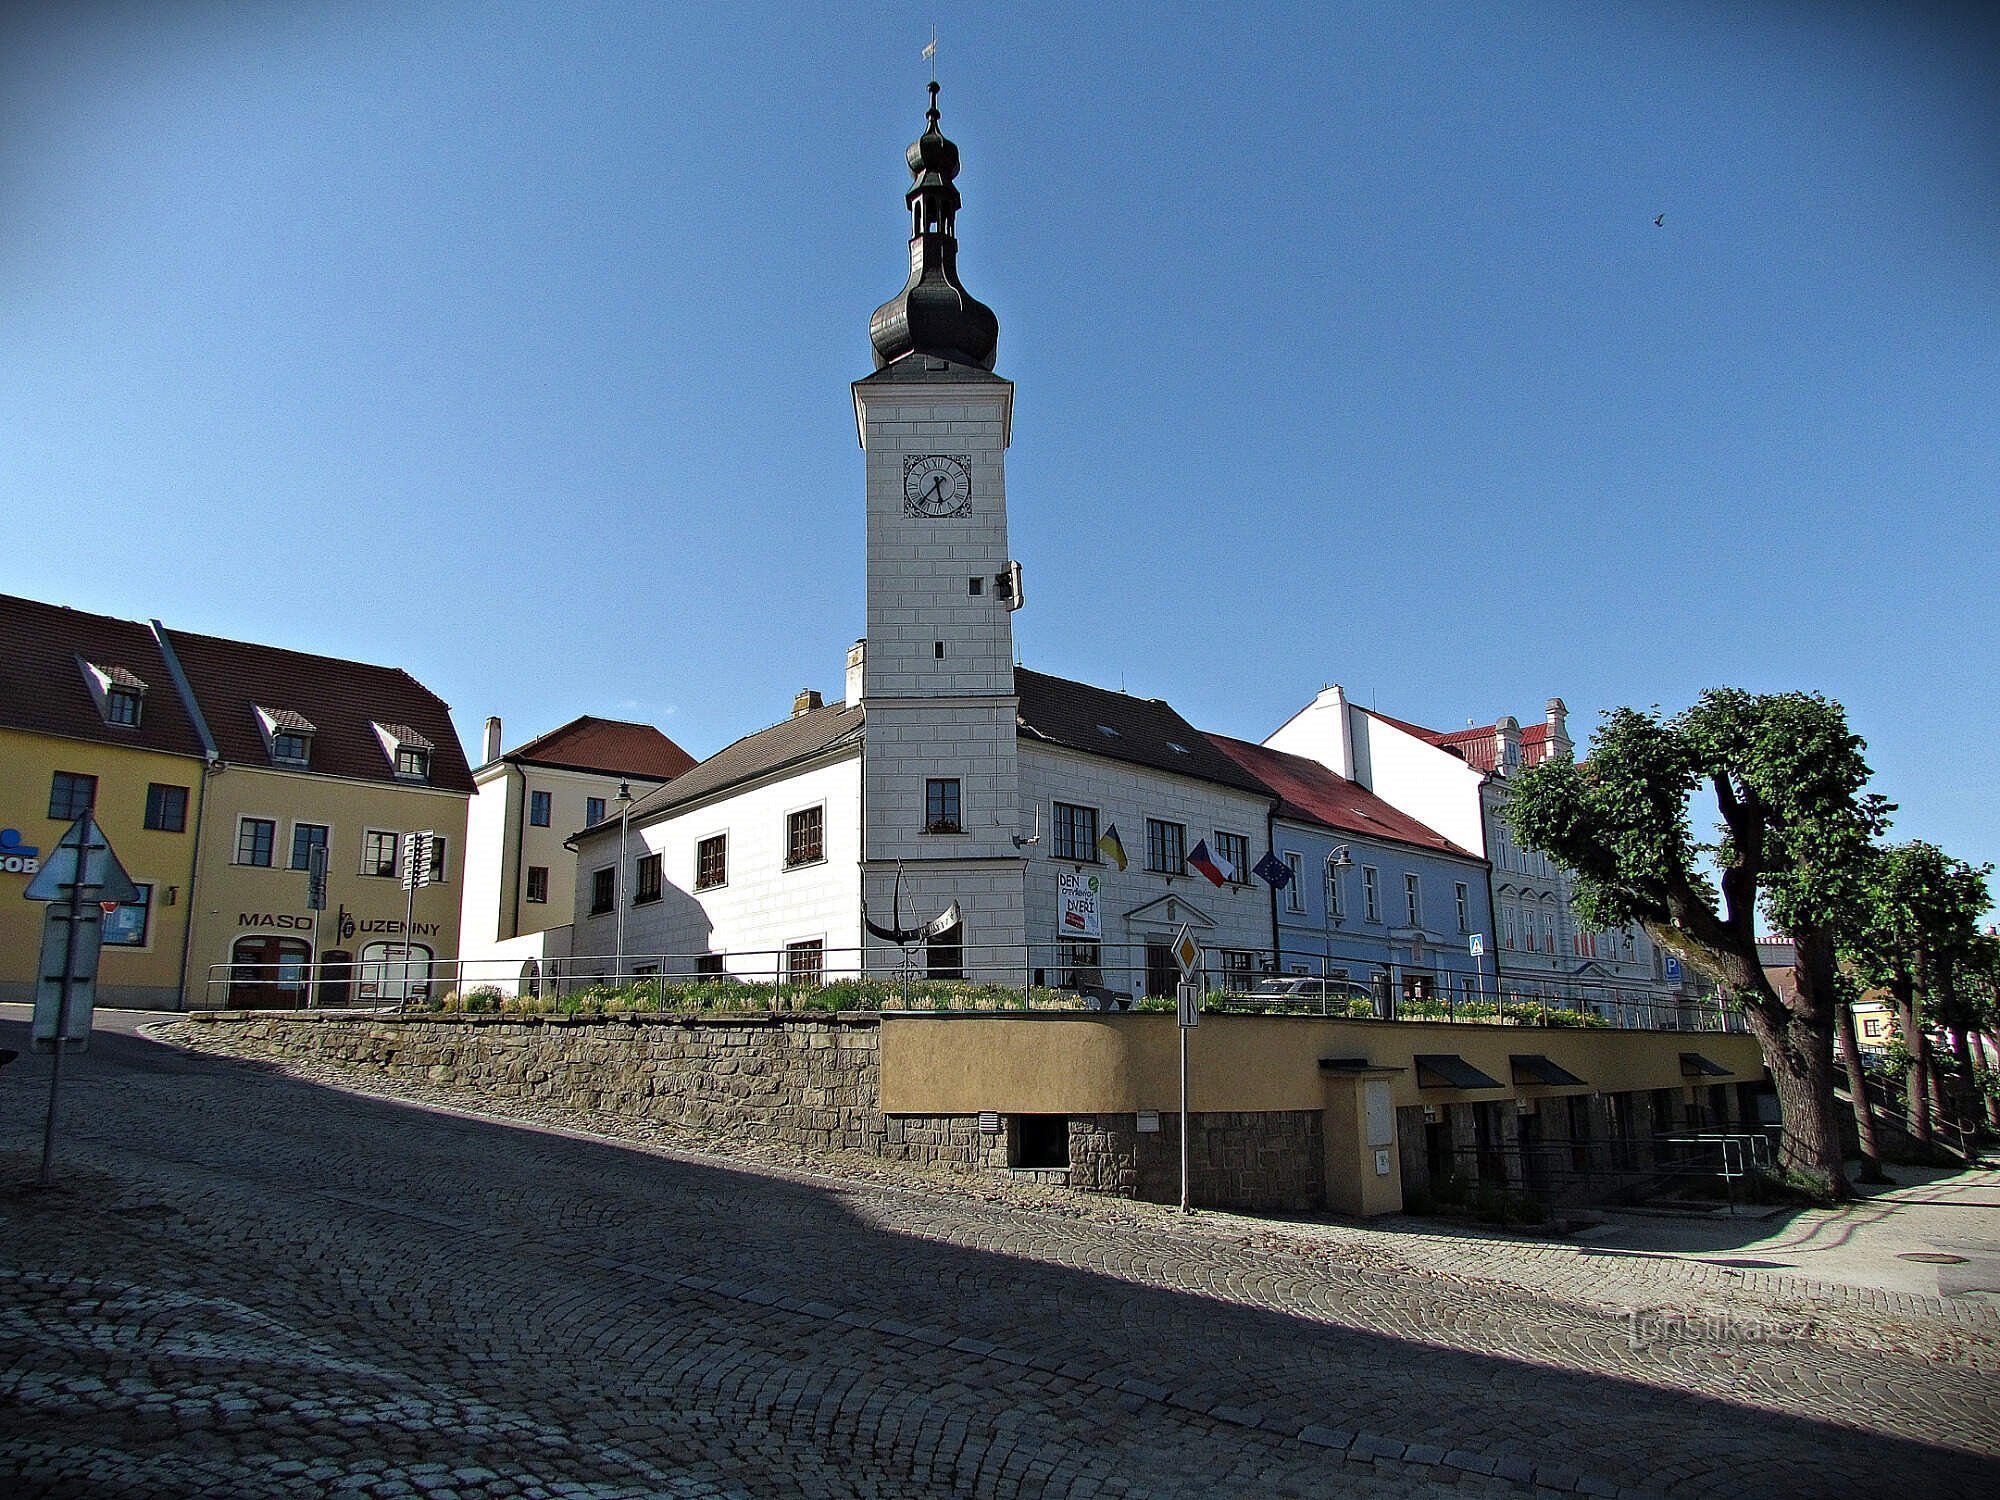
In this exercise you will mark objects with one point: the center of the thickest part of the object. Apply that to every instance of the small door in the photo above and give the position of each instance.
(268, 972)
(336, 978)
(1162, 972)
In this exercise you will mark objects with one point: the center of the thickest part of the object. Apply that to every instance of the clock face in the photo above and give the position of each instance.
(937, 484)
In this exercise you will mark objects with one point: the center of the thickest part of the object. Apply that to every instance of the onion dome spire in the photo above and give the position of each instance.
(934, 314)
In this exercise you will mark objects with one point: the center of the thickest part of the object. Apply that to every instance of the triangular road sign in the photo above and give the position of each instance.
(104, 878)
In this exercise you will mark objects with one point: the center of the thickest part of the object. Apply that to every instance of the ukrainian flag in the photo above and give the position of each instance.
(1109, 847)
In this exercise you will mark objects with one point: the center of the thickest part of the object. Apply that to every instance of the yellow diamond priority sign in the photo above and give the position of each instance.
(1187, 952)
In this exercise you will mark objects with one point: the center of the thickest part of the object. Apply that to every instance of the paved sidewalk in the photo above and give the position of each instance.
(255, 1284)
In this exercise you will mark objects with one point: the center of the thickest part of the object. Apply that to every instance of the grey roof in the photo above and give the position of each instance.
(1139, 731)
(758, 754)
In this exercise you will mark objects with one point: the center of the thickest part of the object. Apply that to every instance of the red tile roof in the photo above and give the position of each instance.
(44, 691)
(343, 700)
(1474, 745)
(1308, 792)
(616, 747)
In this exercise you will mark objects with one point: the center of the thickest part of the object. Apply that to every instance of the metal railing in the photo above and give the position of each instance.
(1683, 1162)
(1101, 976)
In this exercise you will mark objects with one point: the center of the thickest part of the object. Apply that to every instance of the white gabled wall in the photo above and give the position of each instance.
(762, 905)
(1414, 776)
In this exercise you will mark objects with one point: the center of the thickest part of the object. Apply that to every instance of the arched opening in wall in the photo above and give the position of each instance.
(944, 954)
(268, 972)
(392, 973)
(531, 980)
(336, 978)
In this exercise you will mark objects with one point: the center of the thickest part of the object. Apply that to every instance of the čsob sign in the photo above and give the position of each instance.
(17, 858)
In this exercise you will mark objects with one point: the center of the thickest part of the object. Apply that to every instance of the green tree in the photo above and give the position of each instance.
(1795, 830)
(1918, 938)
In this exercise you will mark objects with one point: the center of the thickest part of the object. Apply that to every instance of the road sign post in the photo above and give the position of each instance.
(315, 903)
(80, 881)
(1187, 997)
(418, 849)
(1478, 947)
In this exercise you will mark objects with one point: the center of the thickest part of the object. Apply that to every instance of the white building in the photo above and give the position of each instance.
(948, 781)
(519, 881)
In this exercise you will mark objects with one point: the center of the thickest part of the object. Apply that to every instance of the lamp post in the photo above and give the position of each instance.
(1338, 863)
(624, 800)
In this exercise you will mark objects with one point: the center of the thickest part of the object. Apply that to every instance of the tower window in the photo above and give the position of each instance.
(938, 648)
(975, 586)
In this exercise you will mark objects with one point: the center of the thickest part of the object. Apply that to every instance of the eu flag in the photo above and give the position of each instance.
(1274, 871)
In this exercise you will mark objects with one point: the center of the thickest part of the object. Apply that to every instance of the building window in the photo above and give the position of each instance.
(538, 883)
(1239, 969)
(1507, 926)
(711, 862)
(805, 836)
(438, 871)
(1371, 893)
(1548, 931)
(121, 706)
(129, 925)
(593, 811)
(602, 896)
(413, 764)
(255, 838)
(1080, 964)
(805, 963)
(944, 955)
(1413, 899)
(167, 808)
(289, 748)
(306, 837)
(941, 805)
(1166, 847)
(708, 965)
(378, 853)
(1872, 1028)
(648, 883)
(538, 808)
(71, 795)
(1234, 848)
(1076, 833)
(1295, 888)
(1336, 889)
(1464, 906)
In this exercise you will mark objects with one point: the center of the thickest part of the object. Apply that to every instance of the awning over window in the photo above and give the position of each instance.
(1694, 1065)
(1447, 1070)
(1532, 1067)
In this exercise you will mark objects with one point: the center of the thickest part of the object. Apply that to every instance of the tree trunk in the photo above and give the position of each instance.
(1798, 1051)
(1857, 1091)
(1917, 1082)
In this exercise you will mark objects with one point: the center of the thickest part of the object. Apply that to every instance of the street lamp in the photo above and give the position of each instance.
(624, 800)
(1338, 862)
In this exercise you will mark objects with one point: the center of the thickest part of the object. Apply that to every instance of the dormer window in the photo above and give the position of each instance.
(119, 694)
(409, 752)
(287, 735)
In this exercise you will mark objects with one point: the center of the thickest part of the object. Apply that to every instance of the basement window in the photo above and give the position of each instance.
(1041, 1141)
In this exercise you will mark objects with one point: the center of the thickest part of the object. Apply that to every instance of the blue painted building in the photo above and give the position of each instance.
(1373, 890)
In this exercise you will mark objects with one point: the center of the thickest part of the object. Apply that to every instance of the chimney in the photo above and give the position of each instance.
(1506, 743)
(492, 740)
(857, 654)
(1556, 714)
(807, 700)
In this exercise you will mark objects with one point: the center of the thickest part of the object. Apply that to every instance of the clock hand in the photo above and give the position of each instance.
(937, 488)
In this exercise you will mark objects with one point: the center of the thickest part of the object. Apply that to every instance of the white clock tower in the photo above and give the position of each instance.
(940, 797)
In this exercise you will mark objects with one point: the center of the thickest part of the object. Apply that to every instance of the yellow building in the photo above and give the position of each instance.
(216, 768)
(317, 752)
(90, 717)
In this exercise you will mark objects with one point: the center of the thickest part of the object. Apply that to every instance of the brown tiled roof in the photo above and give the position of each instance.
(1139, 731)
(1308, 792)
(43, 689)
(783, 744)
(617, 747)
(343, 700)
(286, 718)
(1474, 745)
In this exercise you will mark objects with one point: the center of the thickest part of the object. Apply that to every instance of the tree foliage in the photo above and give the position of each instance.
(1792, 845)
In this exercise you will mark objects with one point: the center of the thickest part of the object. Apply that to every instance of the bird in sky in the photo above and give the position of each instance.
(1660, 221)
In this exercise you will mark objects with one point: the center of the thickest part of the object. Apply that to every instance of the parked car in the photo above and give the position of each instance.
(1299, 992)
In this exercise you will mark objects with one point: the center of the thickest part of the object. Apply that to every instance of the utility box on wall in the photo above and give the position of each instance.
(1363, 1173)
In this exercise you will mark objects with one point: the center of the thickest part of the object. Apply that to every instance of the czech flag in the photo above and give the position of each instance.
(1109, 847)
(1214, 866)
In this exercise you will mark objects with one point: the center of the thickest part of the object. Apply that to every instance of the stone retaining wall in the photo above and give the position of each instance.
(811, 1080)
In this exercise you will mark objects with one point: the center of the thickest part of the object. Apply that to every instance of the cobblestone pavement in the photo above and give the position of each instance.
(252, 1283)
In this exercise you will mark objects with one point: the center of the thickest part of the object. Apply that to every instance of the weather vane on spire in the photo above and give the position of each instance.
(930, 52)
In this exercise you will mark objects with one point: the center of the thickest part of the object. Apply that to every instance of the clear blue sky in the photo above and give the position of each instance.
(511, 344)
